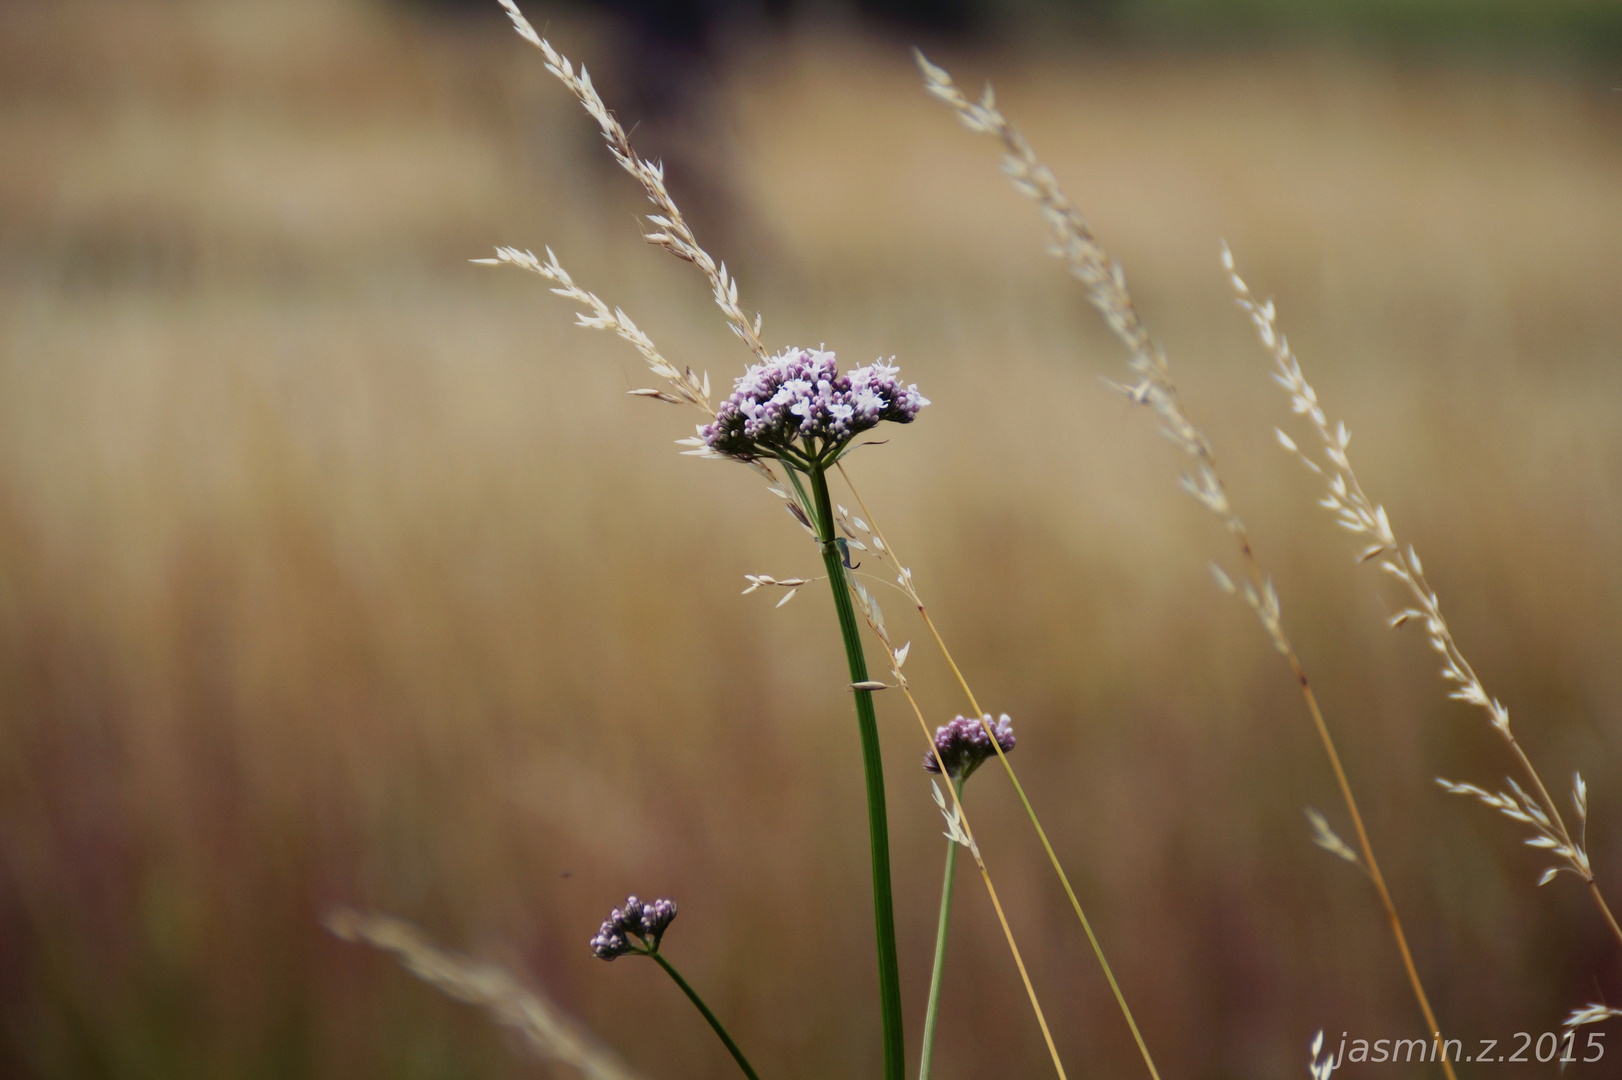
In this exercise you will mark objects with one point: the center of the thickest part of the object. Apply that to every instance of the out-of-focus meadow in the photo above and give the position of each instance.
(336, 570)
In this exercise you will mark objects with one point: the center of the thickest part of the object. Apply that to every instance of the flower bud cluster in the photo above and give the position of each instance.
(645, 922)
(800, 397)
(964, 746)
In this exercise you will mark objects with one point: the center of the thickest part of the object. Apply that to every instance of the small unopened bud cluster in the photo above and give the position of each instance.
(963, 745)
(644, 922)
(797, 405)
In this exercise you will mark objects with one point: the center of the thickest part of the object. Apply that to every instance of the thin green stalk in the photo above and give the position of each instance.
(1075, 904)
(877, 818)
(927, 1057)
(692, 995)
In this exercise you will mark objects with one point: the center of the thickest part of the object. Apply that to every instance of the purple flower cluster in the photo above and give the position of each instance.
(646, 922)
(800, 394)
(963, 745)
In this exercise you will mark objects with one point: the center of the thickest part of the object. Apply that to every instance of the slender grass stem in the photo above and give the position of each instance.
(1254, 570)
(1408, 570)
(1075, 904)
(873, 763)
(1599, 899)
(1282, 641)
(1152, 385)
(698, 1002)
(1369, 861)
(930, 1012)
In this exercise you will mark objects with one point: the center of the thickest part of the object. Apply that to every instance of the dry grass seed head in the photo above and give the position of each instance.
(545, 1028)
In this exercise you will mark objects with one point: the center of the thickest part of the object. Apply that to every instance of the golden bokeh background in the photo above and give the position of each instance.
(337, 570)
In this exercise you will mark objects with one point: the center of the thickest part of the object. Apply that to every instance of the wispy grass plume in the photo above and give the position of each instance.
(550, 1033)
(1074, 242)
(1363, 517)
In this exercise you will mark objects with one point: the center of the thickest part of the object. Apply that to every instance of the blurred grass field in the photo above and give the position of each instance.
(336, 570)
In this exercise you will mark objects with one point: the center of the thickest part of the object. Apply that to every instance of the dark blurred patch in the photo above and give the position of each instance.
(663, 76)
(1585, 28)
(698, 20)
(1575, 28)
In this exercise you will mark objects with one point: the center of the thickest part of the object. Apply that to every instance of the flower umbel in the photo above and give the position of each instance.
(645, 922)
(964, 746)
(798, 408)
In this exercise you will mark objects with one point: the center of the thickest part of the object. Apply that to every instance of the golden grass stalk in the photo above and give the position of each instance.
(1073, 241)
(546, 1030)
(1360, 515)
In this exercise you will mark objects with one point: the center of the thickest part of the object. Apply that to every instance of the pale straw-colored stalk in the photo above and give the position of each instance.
(1361, 516)
(545, 1029)
(1073, 241)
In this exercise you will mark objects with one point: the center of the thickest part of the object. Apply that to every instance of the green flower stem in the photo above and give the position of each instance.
(692, 995)
(877, 819)
(940, 950)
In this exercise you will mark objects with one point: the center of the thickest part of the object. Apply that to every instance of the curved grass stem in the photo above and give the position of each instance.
(1152, 385)
(1369, 862)
(698, 1002)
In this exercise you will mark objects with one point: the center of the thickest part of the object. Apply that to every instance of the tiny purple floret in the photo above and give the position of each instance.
(964, 746)
(799, 394)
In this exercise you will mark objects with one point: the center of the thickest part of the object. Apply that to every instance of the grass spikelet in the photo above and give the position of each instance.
(1074, 242)
(1360, 515)
(685, 387)
(670, 228)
